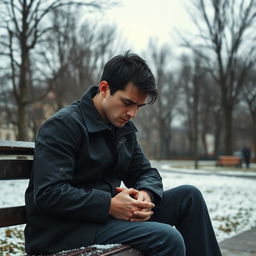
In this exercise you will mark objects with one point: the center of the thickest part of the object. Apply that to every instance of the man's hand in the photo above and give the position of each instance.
(125, 206)
(144, 197)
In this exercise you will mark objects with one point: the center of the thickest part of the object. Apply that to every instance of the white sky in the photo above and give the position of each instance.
(138, 20)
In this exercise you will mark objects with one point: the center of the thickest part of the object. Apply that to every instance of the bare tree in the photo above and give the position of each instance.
(192, 81)
(168, 89)
(96, 44)
(210, 115)
(24, 26)
(146, 121)
(226, 43)
(249, 93)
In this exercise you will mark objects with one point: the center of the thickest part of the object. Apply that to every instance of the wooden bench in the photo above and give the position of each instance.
(15, 164)
(229, 161)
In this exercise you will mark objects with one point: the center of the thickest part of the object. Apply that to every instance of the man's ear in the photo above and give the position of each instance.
(103, 88)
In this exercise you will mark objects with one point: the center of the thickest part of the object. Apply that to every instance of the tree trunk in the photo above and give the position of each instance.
(23, 87)
(228, 121)
(166, 145)
(253, 115)
(190, 140)
(205, 147)
(164, 139)
(162, 144)
(195, 121)
(217, 136)
(21, 118)
(195, 135)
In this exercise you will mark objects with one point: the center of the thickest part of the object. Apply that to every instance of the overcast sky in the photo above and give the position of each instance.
(138, 20)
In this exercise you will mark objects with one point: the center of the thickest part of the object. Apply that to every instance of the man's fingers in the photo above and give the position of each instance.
(131, 192)
(144, 204)
(142, 214)
(120, 189)
(139, 216)
(139, 219)
(128, 191)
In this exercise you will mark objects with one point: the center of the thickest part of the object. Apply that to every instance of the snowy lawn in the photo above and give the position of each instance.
(231, 203)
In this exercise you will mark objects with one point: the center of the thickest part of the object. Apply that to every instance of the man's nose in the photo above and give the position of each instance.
(132, 112)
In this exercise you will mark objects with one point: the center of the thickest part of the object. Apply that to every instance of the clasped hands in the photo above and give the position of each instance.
(131, 205)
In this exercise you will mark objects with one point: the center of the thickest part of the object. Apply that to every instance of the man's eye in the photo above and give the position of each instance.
(127, 103)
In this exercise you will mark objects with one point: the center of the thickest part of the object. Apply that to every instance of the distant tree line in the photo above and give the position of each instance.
(214, 85)
(43, 48)
(49, 58)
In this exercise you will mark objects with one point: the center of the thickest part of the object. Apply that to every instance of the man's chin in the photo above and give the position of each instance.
(119, 124)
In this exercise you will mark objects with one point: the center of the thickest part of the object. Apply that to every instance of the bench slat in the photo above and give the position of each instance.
(15, 169)
(10, 216)
(229, 160)
(16, 148)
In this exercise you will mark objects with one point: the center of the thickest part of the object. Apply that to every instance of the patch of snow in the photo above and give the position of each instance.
(231, 201)
(105, 246)
(12, 192)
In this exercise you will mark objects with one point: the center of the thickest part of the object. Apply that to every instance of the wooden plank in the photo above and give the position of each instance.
(16, 147)
(11, 216)
(234, 157)
(229, 160)
(15, 169)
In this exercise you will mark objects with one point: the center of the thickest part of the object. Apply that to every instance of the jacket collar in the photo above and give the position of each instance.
(92, 118)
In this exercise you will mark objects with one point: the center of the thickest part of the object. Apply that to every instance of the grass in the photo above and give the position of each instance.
(12, 242)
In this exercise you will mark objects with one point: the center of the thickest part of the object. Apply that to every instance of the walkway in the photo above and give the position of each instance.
(170, 166)
(243, 244)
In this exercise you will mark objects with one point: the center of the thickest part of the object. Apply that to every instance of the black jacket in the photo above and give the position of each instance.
(78, 162)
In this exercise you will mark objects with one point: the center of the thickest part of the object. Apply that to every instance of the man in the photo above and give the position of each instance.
(246, 153)
(83, 153)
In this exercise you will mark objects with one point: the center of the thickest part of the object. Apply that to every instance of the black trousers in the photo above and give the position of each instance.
(180, 226)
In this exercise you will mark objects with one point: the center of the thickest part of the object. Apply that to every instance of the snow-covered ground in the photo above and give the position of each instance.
(231, 201)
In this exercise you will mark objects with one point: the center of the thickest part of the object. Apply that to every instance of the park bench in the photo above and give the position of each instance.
(229, 161)
(15, 163)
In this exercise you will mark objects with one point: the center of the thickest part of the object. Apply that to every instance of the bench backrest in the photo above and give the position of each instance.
(15, 163)
(231, 159)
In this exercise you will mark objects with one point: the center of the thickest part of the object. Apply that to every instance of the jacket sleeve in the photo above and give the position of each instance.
(53, 169)
(141, 175)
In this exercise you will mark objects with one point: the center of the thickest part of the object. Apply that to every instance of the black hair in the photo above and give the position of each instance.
(126, 68)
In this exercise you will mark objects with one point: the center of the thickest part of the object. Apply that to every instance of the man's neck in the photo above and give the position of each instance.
(97, 103)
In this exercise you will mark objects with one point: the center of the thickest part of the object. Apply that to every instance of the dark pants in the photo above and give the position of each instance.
(182, 207)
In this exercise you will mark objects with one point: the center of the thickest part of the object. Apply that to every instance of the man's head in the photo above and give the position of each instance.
(126, 84)
(129, 68)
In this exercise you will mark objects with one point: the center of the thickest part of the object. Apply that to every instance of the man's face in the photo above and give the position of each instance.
(123, 105)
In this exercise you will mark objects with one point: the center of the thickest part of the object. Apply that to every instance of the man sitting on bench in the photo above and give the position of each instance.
(84, 151)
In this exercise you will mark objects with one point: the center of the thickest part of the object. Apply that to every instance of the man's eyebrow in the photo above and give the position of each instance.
(133, 103)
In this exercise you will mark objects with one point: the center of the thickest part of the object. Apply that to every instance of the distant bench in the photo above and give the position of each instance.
(15, 164)
(229, 161)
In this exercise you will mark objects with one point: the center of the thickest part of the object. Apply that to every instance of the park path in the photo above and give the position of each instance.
(243, 244)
